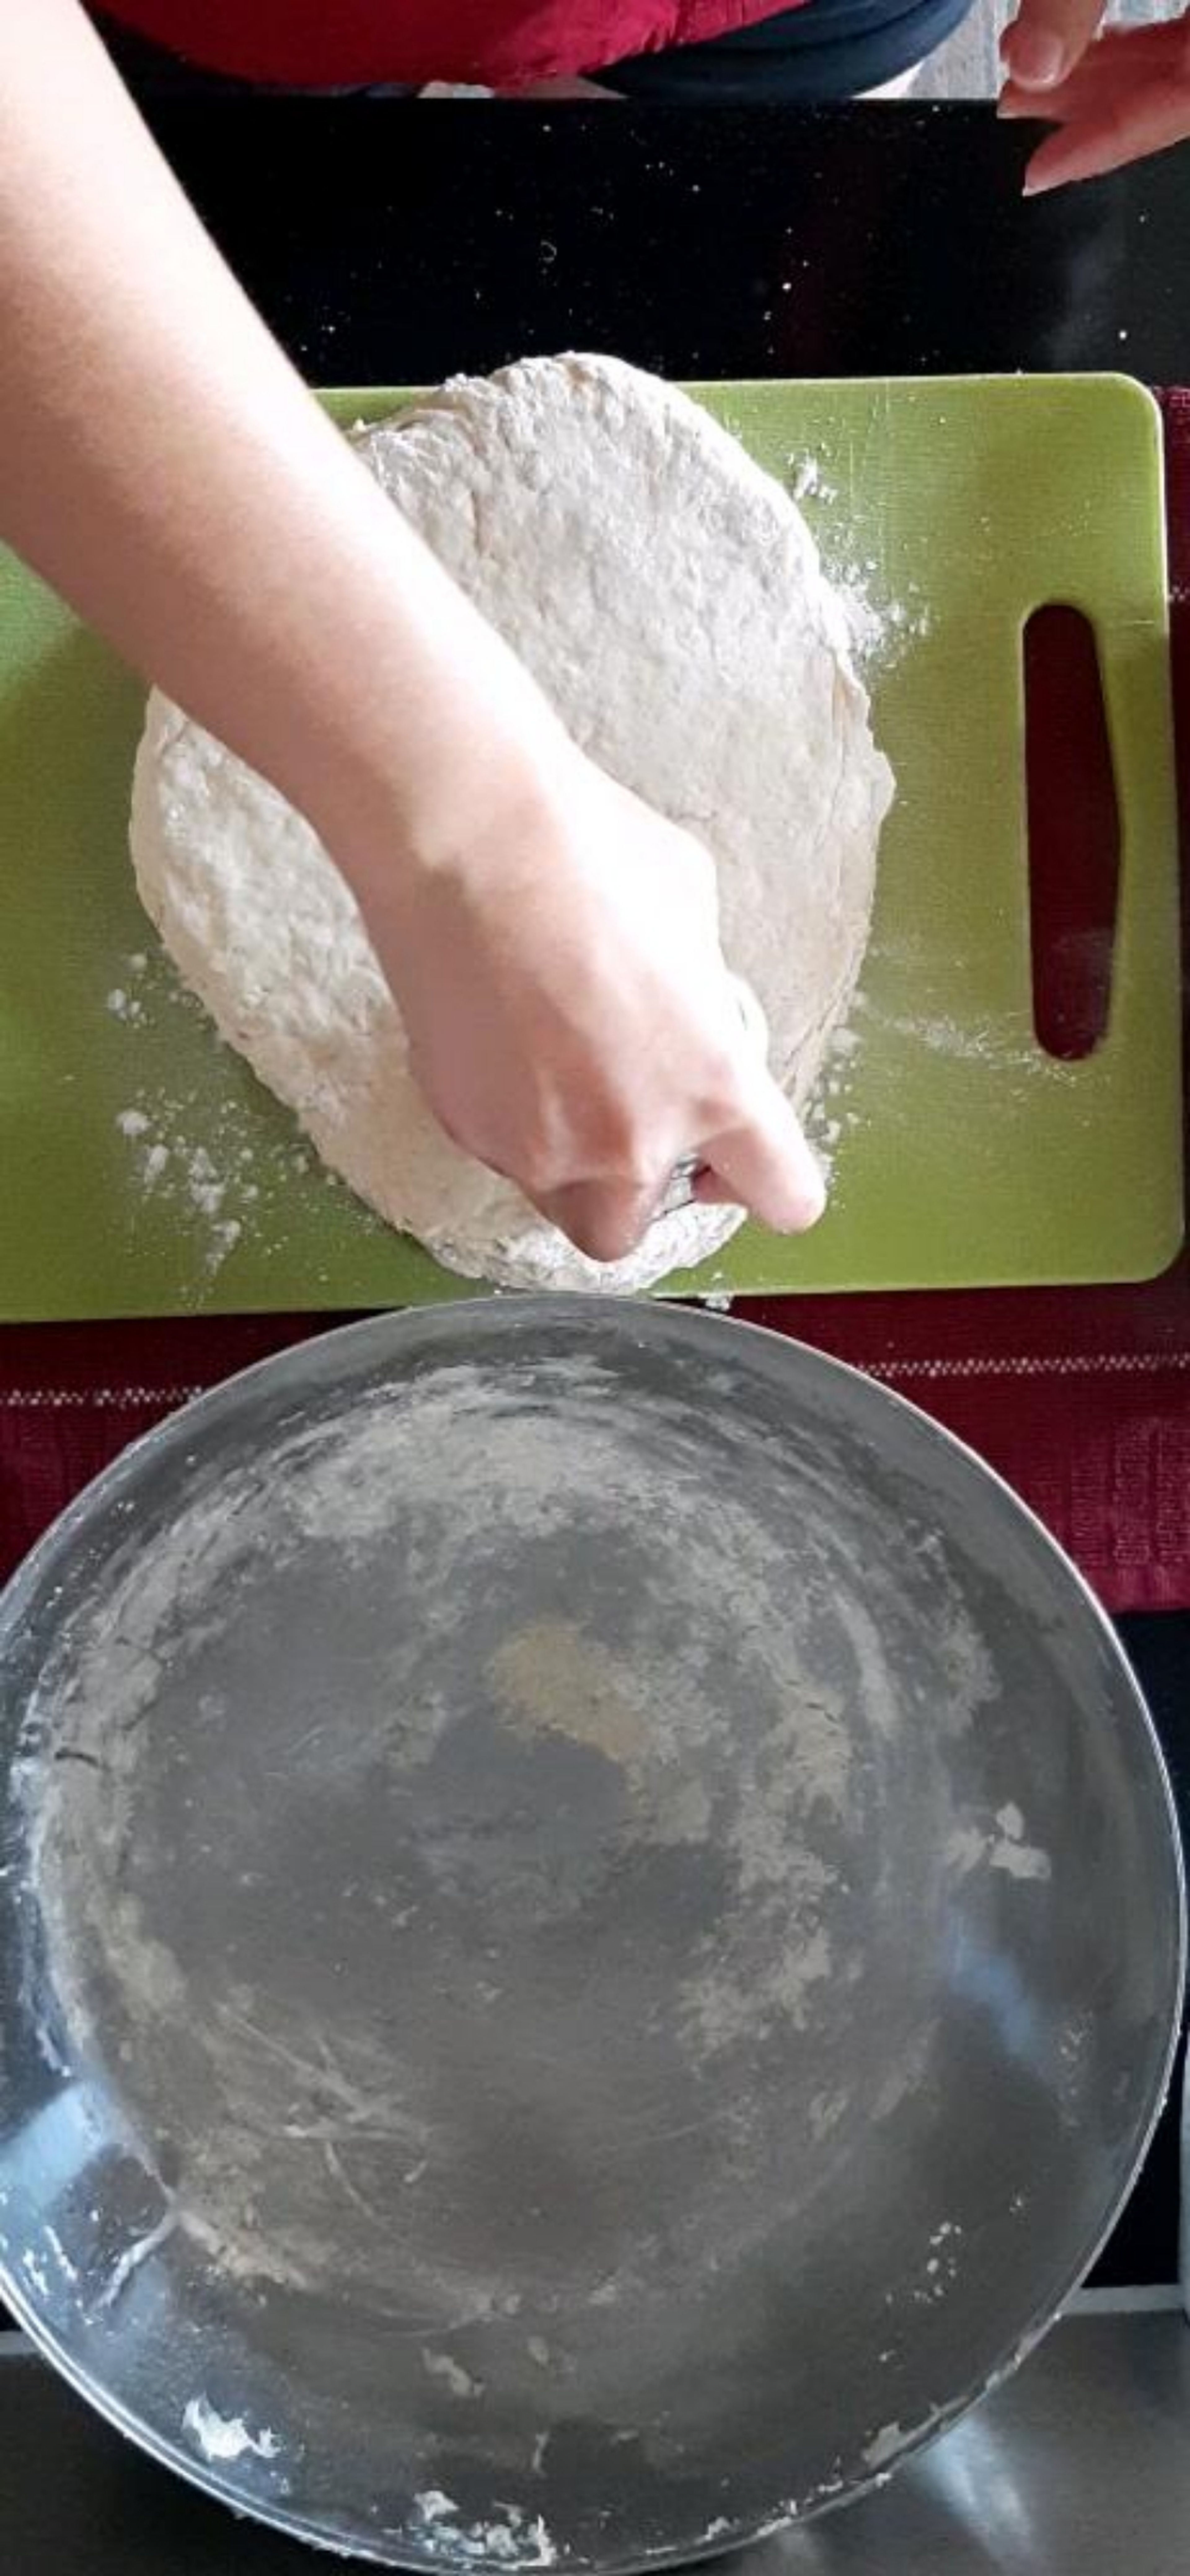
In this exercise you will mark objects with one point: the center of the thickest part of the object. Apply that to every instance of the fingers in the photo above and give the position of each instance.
(1121, 60)
(1129, 96)
(1106, 137)
(1047, 38)
(1126, 96)
(603, 1220)
(765, 1165)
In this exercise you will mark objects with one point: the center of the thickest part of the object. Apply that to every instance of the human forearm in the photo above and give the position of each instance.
(162, 464)
(551, 943)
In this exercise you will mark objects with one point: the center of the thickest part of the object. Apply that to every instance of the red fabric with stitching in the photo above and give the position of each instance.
(1080, 1397)
(503, 43)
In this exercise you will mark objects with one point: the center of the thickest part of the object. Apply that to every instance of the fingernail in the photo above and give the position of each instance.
(1038, 59)
(1038, 183)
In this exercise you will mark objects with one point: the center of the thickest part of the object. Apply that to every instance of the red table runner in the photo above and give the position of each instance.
(1080, 1397)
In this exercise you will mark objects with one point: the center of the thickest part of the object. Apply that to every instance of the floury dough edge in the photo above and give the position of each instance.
(669, 599)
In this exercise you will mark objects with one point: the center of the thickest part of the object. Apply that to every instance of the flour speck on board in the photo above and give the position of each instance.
(199, 1185)
(879, 629)
(832, 1114)
(807, 481)
(124, 1005)
(1010, 1047)
(206, 1160)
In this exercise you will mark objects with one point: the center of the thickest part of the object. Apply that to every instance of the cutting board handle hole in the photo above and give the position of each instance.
(1074, 833)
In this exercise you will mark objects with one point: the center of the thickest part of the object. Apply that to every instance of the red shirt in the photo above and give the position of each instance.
(322, 44)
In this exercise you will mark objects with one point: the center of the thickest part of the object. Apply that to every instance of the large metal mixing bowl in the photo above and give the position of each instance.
(590, 1933)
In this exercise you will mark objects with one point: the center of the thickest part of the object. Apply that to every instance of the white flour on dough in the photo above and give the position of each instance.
(669, 599)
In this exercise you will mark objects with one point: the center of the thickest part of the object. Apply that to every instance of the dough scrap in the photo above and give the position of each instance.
(668, 597)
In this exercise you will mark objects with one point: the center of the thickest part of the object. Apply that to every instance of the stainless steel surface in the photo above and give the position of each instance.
(591, 1932)
(1080, 2466)
(1185, 2189)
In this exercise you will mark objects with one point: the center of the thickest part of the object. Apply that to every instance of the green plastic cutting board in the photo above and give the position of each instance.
(146, 1172)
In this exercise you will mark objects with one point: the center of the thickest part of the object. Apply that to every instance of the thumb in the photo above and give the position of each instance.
(764, 1164)
(1047, 38)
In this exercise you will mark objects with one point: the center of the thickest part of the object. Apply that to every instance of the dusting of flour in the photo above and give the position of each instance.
(210, 1165)
(879, 628)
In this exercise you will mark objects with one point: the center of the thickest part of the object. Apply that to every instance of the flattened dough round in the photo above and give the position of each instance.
(668, 597)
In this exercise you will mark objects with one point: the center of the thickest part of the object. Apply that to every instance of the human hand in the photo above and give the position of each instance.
(572, 1020)
(552, 944)
(1113, 97)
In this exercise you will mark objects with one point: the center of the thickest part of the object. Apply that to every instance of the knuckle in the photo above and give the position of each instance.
(607, 1238)
(603, 1225)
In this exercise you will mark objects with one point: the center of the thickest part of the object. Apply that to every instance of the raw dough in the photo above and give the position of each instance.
(669, 599)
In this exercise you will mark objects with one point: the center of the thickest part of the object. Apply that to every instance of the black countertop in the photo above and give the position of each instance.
(394, 242)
